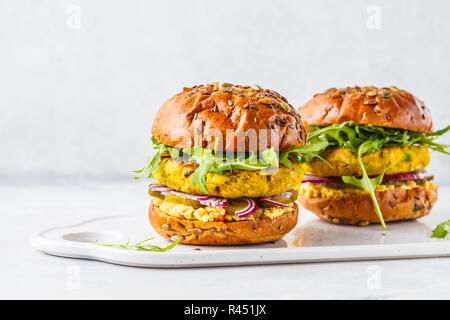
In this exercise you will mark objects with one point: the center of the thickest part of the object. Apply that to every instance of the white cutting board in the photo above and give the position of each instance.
(313, 240)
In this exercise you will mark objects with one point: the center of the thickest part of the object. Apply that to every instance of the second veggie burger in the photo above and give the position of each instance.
(372, 148)
(227, 162)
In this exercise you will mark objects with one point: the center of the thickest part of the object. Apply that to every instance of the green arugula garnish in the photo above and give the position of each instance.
(351, 135)
(441, 231)
(360, 139)
(212, 161)
(141, 246)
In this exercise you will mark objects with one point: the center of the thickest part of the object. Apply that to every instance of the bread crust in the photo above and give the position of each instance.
(202, 114)
(397, 204)
(386, 107)
(222, 233)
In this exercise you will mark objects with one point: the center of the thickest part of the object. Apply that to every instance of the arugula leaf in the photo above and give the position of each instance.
(366, 183)
(407, 158)
(359, 139)
(441, 230)
(199, 177)
(153, 163)
(141, 246)
(269, 156)
(307, 152)
(439, 132)
(350, 135)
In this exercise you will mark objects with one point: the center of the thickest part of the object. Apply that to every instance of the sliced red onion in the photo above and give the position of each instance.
(223, 202)
(159, 187)
(156, 185)
(205, 200)
(316, 179)
(249, 210)
(401, 176)
(404, 176)
(215, 202)
(283, 195)
(167, 193)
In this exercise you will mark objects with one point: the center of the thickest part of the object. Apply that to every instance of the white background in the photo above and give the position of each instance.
(80, 81)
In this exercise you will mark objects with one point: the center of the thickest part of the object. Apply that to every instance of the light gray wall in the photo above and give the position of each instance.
(78, 92)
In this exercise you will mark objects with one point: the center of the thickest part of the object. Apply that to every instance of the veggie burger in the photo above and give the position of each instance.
(228, 164)
(372, 146)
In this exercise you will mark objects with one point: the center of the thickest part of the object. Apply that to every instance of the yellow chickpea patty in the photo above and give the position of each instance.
(209, 214)
(325, 191)
(394, 159)
(234, 184)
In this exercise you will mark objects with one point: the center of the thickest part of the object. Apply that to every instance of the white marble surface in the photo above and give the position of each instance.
(27, 273)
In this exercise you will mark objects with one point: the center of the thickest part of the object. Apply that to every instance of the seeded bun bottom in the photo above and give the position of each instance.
(396, 205)
(222, 233)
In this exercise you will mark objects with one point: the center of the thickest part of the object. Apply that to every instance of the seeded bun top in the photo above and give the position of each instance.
(229, 117)
(386, 107)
